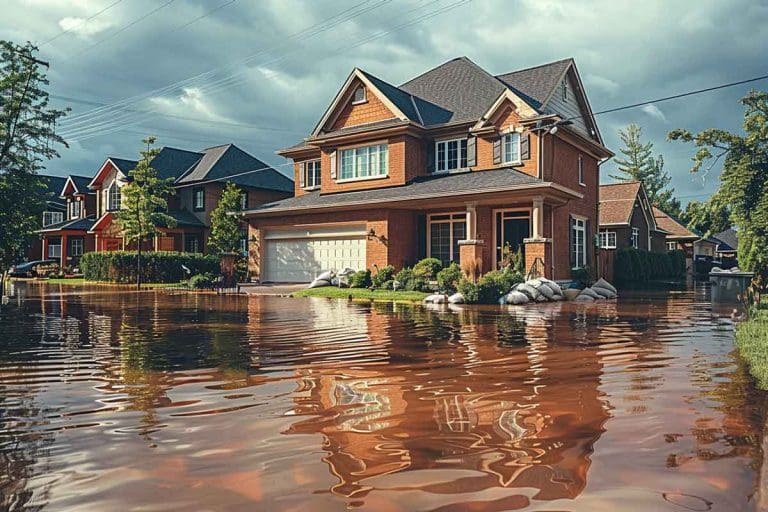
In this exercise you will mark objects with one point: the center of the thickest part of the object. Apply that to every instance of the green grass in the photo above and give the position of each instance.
(332, 292)
(79, 281)
(752, 341)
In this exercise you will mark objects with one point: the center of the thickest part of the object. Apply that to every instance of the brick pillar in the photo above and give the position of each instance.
(471, 257)
(254, 251)
(538, 248)
(64, 245)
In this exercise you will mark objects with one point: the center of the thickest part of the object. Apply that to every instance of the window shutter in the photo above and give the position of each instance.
(497, 150)
(333, 165)
(421, 232)
(431, 148)
(302, 169)
(471, 152)
(525, 146)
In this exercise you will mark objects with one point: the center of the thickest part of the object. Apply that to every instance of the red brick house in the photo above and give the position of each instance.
(198, 179)
(627, 218)
(456, 164)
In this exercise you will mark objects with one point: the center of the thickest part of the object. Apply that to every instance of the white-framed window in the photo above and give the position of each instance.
(52, 218)
(76, 247)
(198, 199)
(75, 209)
(607, 239)
(450, 155)
(244, 200)
(636, 238)
(312, 174)
(578, 242)
(54, 250)
(360, 95)
(244, 245)
(364, 163)
(581, 170)
(444, 233)
(191, 243)
(671, 246)
(114, 197)
(510, 147)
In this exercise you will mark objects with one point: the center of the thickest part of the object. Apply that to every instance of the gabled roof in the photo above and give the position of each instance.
(174, 162)
(53, 186)
(185, 218)
(70, 225)
(617, 202)
(75, 185)
(123, 165)
(728, 240)
(673, 226)
(537, 83)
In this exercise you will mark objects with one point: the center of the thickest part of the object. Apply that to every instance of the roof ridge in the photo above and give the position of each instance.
(219, 146)
(463, 57)
(536, 66)
(633, 182)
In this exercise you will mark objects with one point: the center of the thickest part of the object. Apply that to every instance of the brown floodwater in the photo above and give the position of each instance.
(120, 401)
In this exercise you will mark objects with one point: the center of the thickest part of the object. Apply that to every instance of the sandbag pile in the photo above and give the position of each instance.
(331, 278)
(533, 290)
(602, 289)
(437, 298)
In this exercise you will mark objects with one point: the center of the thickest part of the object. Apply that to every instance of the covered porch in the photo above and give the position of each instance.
(187, 236)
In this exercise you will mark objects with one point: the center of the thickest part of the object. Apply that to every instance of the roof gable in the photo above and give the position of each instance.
(617, 202)
(120, 165)
(173, 162)
(536, 83)
(75, 185)
(672, 226)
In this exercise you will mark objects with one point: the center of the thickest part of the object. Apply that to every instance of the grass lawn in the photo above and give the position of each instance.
(79, 281)
(752, 341)
(333, 292)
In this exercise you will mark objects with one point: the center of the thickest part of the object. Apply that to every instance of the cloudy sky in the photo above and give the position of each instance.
(259, 73)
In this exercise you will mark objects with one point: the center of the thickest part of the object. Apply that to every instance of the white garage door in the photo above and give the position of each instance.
(298, 255)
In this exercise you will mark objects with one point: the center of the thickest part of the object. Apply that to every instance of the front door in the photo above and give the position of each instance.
(512, 228)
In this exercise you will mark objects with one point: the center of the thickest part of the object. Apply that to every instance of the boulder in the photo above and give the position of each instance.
(515, 297)
(602, 283)
(319, 283)
(571, 293)
(590, 293)
(456, 298)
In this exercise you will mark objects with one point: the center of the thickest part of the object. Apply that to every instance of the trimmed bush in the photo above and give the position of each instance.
(156, 267)
(360, 279)
(490, 287)
(382, 276)
(449, 277)
(633, 265)
(201, 281)
(427, 268)
(469, 290)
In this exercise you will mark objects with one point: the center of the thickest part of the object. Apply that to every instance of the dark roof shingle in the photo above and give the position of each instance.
(538, 82)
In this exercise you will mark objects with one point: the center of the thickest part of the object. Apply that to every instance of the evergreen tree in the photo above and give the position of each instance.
(744, 179)
(639, 164)
(144, 205)
(225, 228)
(27, 139)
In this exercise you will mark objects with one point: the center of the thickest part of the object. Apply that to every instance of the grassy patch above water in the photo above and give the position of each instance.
(752, 341)
(333, 292)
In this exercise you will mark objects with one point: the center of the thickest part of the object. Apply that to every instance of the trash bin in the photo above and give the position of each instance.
(728, 286)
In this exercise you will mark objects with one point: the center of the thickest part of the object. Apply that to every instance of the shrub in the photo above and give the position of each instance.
(633, 265)
(403, 277)
(490, 287)
(581, 275)
(427, 268)
(156, 267)
(449, 277)
(360, 279)
(382, 276)
(387, 285)
(201, 281)
(469, 290)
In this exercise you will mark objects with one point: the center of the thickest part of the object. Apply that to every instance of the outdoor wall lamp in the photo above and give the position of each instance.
(372, 235)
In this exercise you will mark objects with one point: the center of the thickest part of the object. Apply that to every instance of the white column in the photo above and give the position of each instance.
(471, 221)
(538, 218)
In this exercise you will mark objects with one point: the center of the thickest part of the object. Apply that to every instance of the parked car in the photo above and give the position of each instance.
(37, 268)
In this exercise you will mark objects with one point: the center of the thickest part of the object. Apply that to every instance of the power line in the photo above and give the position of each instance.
(202, 16)
(78, 25)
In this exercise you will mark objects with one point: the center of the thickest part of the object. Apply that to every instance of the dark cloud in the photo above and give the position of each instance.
(276, 74)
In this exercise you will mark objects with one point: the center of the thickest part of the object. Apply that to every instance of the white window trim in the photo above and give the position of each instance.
(195, 191)
(110, 205)
(340, 160)
(306, 175)
(81, 243)
(451, 221)
(607, 244)
(458, 156)
(51, 246)
(519, 160)
(580, 171)
(365, 95)
(671, 246)
(583, 229)
(635, 240)
(58, 216)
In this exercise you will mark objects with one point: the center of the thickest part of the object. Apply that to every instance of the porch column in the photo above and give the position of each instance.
(538, 249)
(537, 214)
(64, 246)
(471, 221)
(44, 255)
(471, 249)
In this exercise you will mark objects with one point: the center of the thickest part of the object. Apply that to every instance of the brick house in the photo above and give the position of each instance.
(681, 238)
(54, 213)
(198, 180)
(627, 219)
(456, 164)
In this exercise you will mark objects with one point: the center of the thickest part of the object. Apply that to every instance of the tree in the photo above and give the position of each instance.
(27, 139)
(144, 205)
(641, 165)
(707, 217)
(225, 228)
(744, 178)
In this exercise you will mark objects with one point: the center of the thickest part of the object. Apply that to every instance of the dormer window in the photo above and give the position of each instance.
(359, 96)
(75, 209)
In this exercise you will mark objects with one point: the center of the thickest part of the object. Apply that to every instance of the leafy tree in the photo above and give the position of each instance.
(707, 217)
(144, 204)
(639, 164)
(744, 179)
(27, 139)
(225, 229)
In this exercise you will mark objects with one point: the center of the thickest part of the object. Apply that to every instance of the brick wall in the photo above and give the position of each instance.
(371, 111)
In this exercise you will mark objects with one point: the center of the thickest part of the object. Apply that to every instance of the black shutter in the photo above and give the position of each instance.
(525, 146)
(471, 151)
(497, 151)
(430, 156)
(421, 234)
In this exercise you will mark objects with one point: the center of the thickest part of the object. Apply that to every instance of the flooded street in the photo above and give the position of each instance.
(151, 401)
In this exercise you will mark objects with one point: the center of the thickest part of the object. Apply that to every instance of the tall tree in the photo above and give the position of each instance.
(27, 140)
(744, 178)
(225, 228)
(144, 204)
(639, 164)
(707, 217)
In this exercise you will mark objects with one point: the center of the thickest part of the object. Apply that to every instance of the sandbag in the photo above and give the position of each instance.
(571, 293)
(604, 292)
(347, 272)
(557, 298)
(435, 298)
(529, 290)
(456, 298)
(326, 276)
(544, 289)
(602, 283)
(515, 297)
(584, 298)
(318, 283)
(590, 293)
(553, 286)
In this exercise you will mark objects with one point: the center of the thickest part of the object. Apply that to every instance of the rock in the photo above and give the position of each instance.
(515, 297)
(318, 283)
(456, 298)
(590, 293)
(602, 283)
(571, 293)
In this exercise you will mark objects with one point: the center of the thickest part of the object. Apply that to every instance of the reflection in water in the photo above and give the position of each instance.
(153, 401)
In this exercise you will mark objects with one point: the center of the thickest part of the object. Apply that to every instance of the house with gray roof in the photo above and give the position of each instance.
(198, 179)
(457, 163)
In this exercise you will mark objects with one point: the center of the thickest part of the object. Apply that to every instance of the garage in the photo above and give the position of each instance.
(299, 254)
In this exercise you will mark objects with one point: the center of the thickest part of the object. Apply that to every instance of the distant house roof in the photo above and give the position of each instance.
(673, 226)
(123, 165)
(617, 202)
(78, 185)
(70, 225)
(185, 218)
(728, 240)
(53, 186)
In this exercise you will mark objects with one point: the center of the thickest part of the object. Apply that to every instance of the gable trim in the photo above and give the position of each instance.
(581, 98)
(507, 95)
(102, 170)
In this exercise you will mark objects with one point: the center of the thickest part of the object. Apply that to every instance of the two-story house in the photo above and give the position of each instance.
(627, 218)
(198, 180)
(456, 164)
(53, 213)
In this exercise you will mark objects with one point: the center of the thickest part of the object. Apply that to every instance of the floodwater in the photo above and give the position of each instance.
(122, 401)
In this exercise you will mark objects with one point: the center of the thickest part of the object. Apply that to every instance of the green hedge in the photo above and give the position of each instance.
(156, 267)
(633, 265)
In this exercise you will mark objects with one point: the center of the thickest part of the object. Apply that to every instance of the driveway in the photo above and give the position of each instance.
(281, 289)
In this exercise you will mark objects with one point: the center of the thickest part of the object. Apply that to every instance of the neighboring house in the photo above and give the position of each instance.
(456, 164)
(627, 219)
(198, 180)
(727, 245)
(55, 212)
(681, 238)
